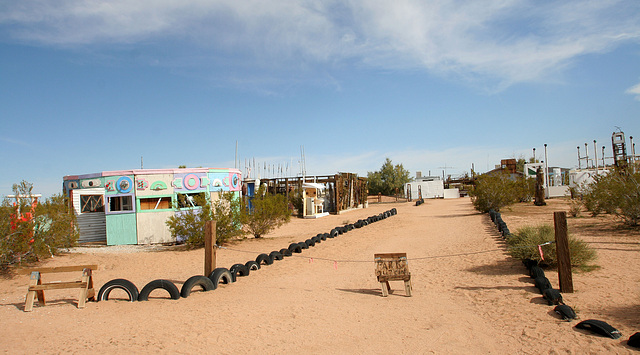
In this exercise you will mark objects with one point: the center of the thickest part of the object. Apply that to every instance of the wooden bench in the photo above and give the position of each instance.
(37, 287)
(392, 267)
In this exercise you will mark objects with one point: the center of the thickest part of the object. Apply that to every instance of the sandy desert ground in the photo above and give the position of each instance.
(469, 296)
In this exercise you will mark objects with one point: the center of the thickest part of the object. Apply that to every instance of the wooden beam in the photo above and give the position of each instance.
(562, 249)
(209, 247)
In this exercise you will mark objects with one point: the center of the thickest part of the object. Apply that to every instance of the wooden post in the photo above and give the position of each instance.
(209, 247)
(379, 197)
(562, 249)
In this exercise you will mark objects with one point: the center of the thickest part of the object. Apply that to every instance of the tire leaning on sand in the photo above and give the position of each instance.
(220, 275)
(166, 285)
(197, 280)
(122, 284)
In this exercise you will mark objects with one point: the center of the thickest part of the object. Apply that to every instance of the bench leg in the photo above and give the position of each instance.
(407, 287)
(385, 288)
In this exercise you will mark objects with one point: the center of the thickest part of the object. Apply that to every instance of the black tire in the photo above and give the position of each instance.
(220, 275)
(264, 258)
(358, 224)
(238, 270)
(316, 239)
(295, 248)
(334, 233)
(322, 236)
(197, 280)
(340, 230)
(166, 285)
(275, 255)
(285, 252)
(122, 284)
(394, 211)
(310, 243)
(303, 245)
(252, 265)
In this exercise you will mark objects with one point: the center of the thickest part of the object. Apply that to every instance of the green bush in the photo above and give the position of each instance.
(268, 212)
(616, 193)
(51, 227)
(523, 244)
(389, 178)
(188, 224)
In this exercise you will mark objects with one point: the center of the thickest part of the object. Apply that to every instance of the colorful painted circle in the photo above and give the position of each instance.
(235, 181)
(191, 182)
(124, 184)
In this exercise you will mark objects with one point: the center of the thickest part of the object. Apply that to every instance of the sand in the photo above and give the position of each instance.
(469, 296)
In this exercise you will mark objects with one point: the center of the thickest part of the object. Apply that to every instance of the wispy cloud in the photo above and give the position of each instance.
(634, 90)
(504, 41)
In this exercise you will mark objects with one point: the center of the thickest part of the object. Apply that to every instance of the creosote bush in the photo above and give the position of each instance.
(268, 212)
(523, 244)
(495, 191)
(188, 224)
(616, 193)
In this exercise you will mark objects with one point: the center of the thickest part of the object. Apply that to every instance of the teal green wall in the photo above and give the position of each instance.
(121, 229)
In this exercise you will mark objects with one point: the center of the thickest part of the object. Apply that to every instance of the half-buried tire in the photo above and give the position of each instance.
(295, 248)
(275, 255)
(166, 285)
(285, 252)
(303, 245)
(122, 284)
(198, 280)
(334, 233)
(252, 265)
(310, 242)
(264, 258)
(238, 270)
(220, 276)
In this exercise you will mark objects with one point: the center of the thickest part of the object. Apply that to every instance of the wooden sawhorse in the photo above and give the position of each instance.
(392, 267)
(37, 287)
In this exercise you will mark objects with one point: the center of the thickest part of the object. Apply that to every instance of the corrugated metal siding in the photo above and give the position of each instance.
(92, 226)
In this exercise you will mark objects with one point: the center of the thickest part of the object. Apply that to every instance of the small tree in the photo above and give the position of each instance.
(189, 224)
(388, 178)
(267, 213)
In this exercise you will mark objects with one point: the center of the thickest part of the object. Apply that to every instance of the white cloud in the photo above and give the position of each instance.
(634, 90)
(507, 41)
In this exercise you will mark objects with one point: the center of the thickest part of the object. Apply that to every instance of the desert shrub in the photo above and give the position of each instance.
(40, 232)
(524, 189)
(268, 212)
(616, 193)
(575, 207)
(523, 244)
(188, 224)
(296, 201)
(493, 192)
(389, 178)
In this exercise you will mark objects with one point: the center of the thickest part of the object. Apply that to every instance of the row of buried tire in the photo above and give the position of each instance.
(226, 276)
(554, 297)
(542, 283)
(419, 202)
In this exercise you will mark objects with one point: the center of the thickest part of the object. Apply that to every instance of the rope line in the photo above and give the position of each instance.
(371, 261)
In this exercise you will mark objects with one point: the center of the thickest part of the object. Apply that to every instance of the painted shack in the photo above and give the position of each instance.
(132, 206)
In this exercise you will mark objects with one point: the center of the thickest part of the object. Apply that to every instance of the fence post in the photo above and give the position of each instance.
(209, 250)
(565, 276)
(379, 197)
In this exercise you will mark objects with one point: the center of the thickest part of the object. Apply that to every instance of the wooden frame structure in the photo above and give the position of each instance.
(37, 287)
(392, 267)
(344, 190)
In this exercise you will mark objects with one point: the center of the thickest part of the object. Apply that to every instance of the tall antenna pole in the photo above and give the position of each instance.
(579, 167)
(595, 154)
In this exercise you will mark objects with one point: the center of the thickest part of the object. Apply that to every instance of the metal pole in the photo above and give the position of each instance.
(586, 153)
(546, 171)
(579, 167)
(595, 154)
(604, 165)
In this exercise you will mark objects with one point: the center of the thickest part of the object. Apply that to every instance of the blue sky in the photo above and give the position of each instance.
(88, 86)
